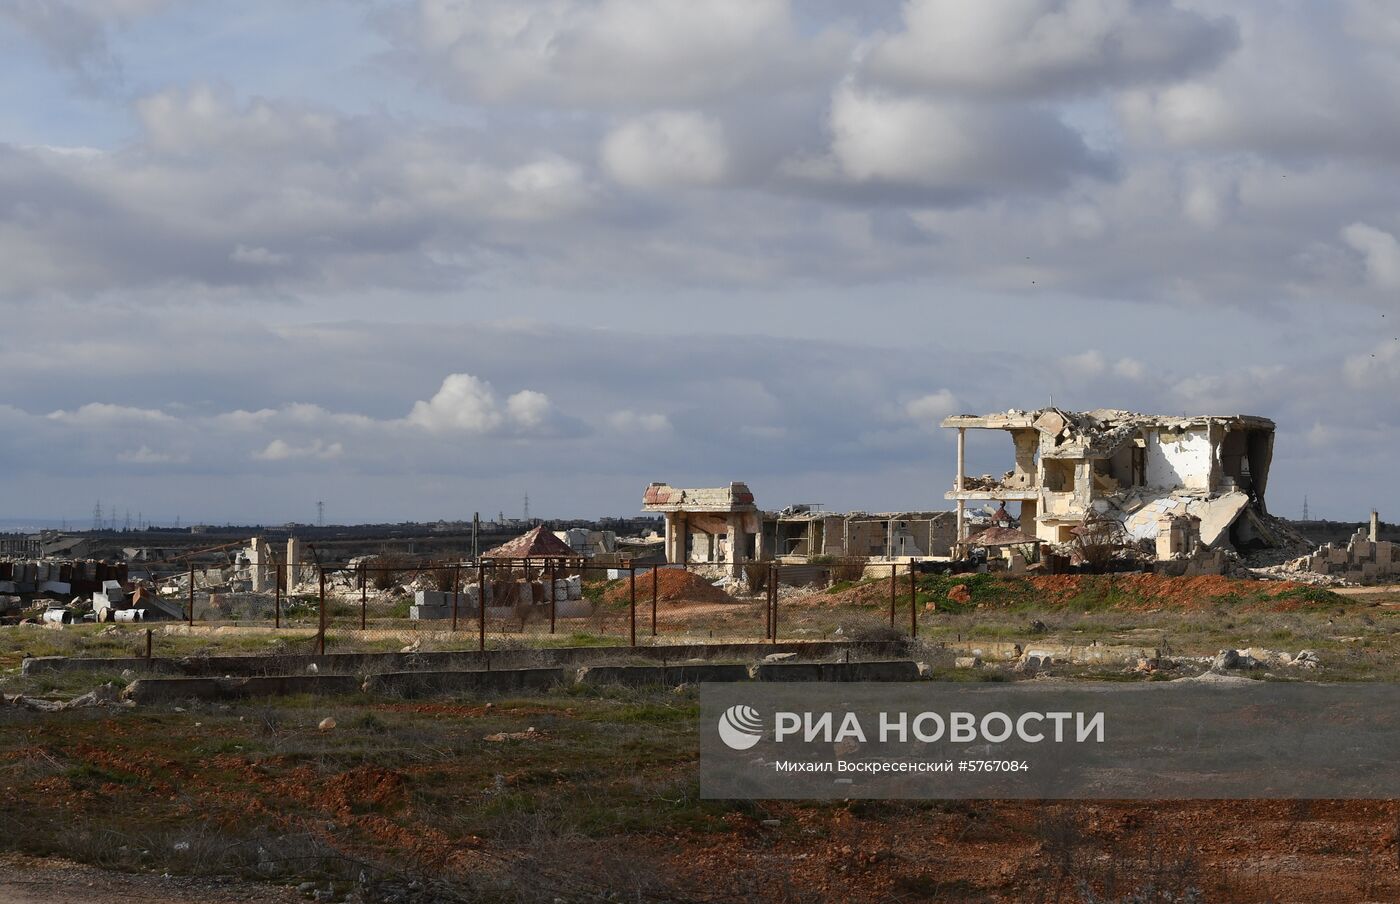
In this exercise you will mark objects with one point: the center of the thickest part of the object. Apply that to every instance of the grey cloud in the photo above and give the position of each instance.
(1303, 86)
(608, 52)
(1046, 47)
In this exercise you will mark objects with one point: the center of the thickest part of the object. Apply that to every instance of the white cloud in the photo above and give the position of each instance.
(667, 148)
(148, 456)
(1129, 368)
(468, 404)
(1084, 365)
(281, 450)
(607, 52)
(945, 146)
(1033, 47)
(462, 403)
(528, 409)
(1381, 252)
(628, 421)
(104, 414)
(928, 410)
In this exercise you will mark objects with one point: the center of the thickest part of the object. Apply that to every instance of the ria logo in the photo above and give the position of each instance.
(740, 727)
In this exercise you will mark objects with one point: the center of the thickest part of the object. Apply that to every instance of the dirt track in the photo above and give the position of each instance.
(33, 880)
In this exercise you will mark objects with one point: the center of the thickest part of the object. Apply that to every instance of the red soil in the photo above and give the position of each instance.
(672, 585)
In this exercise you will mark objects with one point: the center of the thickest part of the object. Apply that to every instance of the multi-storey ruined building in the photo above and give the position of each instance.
(1155, 474)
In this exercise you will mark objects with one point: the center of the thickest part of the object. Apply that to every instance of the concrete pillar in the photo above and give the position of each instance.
(293, 561)
(259, 555)
(958, 485)
(1375, 526)
(670, 545)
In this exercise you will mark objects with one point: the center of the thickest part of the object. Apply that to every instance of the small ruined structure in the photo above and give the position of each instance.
(536, 543)
(720, 525)
(1365, 559)
(1181, 483)
(798, 532)
(702, 524)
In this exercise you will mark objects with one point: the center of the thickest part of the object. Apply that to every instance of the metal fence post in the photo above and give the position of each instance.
(277, 601)
(321, 629)
(776, 570)
(364, 597)
(553, 570)
(894, 589)
(654, 579)
(913, 601)
(191, 596)
(481, 604)
(632, 575)
(456, 593)
(149, 634)
(767, 605)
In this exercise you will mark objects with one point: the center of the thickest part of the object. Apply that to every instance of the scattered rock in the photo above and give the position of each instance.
(1038, 627)
(327, 724)
(1233, 659)
(960, 594)
(1306, 659)
(778, 657)
(967, 662)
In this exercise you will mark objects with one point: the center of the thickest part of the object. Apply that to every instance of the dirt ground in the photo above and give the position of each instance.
(581, 794)
(571, 795)
(45, 880)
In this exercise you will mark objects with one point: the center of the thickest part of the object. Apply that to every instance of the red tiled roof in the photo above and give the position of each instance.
(538, 543)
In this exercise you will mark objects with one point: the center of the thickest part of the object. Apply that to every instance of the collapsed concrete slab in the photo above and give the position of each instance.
(1145, 471)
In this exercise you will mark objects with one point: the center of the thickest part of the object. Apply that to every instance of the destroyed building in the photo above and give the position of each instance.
(700, 525)
(719, 525)
(1154, 474)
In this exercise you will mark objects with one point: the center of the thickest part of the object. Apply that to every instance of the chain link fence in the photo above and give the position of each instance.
(378, 605)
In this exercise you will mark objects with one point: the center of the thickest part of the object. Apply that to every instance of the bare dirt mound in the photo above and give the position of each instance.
(672, 585)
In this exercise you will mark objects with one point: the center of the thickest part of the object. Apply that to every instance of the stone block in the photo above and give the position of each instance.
(430, 613)
(432, 598)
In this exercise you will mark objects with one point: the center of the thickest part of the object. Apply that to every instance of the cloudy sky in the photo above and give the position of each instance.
(419, 257)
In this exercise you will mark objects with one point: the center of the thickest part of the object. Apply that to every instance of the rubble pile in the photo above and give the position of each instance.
(672, 585)
(1364, 560)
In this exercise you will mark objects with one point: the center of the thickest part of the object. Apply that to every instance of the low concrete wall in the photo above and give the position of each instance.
(426, 683)
(1061, 652)
(363, 663)
(669, 675)
(165, 690)
(889, 670)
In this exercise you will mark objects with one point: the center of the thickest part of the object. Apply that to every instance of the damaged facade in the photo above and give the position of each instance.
(1177, 482)
(724, 526)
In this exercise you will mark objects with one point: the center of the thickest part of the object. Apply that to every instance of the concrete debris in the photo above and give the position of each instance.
(967, 662)
(1233, 659)
(108, 694)
(1364, 560)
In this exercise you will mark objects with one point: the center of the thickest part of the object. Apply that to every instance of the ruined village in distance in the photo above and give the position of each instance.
(699, 451)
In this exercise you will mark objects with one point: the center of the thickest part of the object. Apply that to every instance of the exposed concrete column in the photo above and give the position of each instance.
(962, 446)
(678, 536)
(962, 449)
(670, 544)
(735, 553)
(1375, 525)
(258, 556)
(293, 561)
